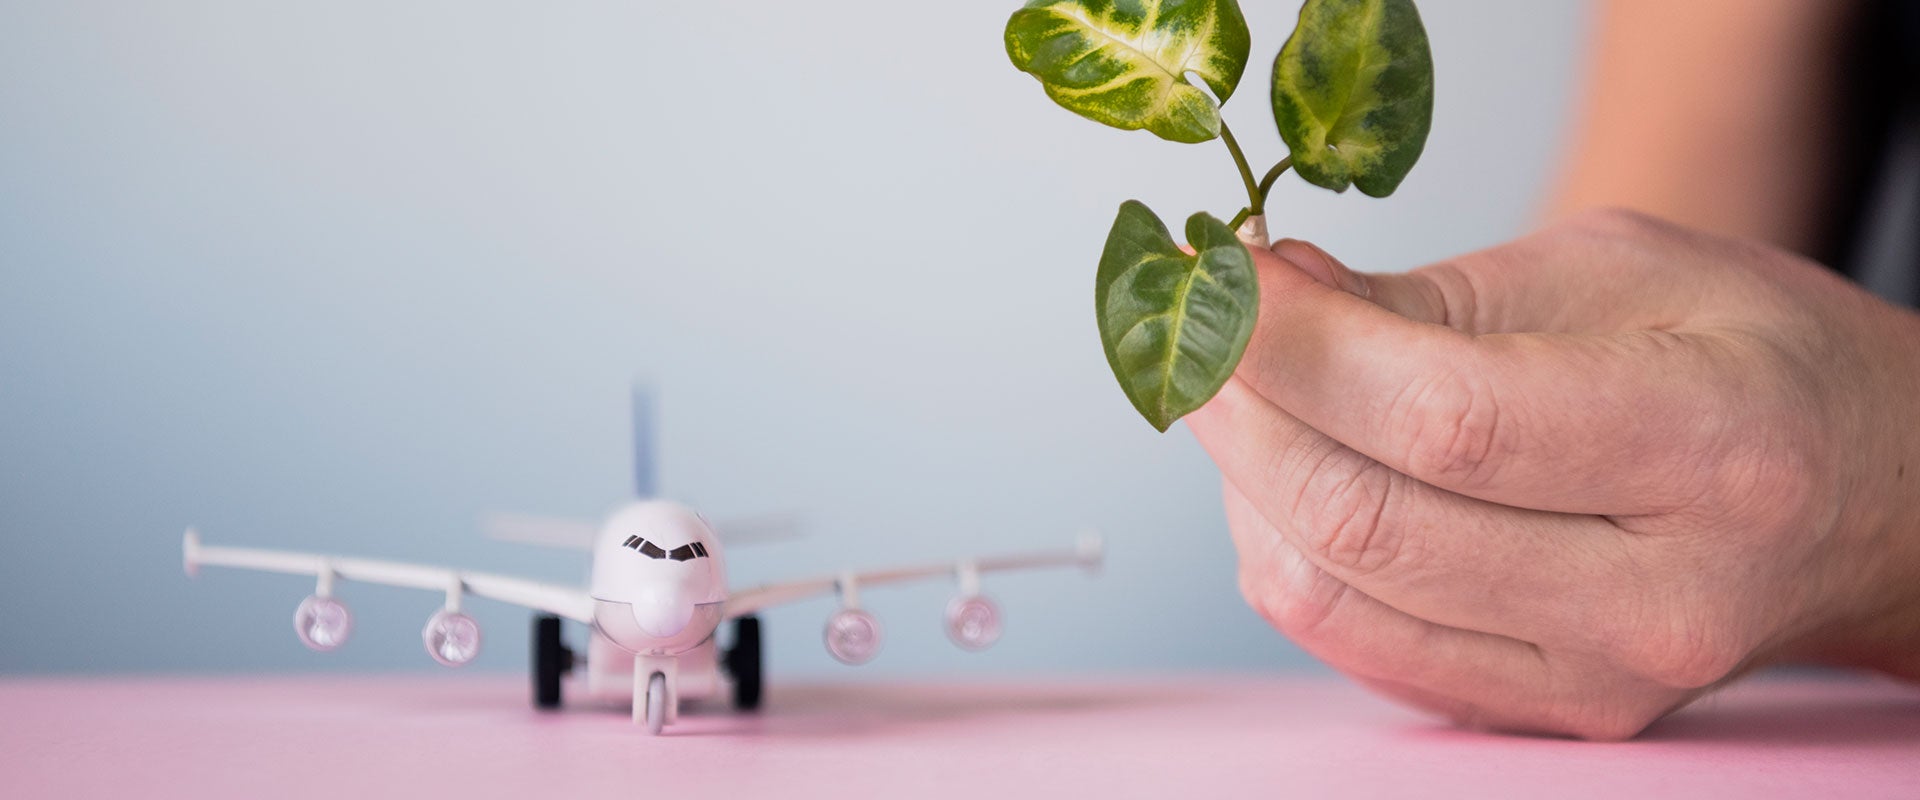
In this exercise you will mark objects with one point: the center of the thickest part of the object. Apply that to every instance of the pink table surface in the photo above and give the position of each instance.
(464, 735)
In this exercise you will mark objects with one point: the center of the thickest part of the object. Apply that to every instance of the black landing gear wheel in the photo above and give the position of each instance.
(551, 661)
(743, 663)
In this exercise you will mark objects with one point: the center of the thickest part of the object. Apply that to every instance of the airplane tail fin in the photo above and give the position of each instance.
(645, 459)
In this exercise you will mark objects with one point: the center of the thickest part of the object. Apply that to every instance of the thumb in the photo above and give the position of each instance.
(1602, 273)
(1410, 295)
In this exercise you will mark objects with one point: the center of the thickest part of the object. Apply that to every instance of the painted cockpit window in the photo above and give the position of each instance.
(684, 552)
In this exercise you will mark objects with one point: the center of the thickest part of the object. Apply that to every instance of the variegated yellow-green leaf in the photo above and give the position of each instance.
(1174, 325)
(1124, 62)
(1353, 93)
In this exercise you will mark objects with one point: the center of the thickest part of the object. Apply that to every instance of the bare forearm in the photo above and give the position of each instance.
(1718, 114)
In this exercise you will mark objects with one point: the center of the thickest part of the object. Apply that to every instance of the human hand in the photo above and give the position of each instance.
(1568, 484)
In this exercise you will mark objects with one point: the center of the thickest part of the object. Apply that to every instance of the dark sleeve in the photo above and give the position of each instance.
(1874, 233)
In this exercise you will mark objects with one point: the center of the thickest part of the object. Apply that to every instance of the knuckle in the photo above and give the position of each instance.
(1583, 719)
(1693, 649)
(1602, 710)
(1287, 590)
(1775, 470)
(1347, 512)
(1451, 426)
(1765, 460)
(1774, 485)
(1598, 723)
(1298, 607)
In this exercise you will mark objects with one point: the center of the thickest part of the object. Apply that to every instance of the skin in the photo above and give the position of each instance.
(1529, 514)
(1665, 84)
(1568, 484)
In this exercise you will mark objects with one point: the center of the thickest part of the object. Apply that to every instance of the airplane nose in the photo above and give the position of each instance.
(662, 620)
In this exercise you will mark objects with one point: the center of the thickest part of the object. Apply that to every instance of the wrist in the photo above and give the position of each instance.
(1872, 574)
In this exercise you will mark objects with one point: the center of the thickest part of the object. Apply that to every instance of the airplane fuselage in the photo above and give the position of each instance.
(658, 586)
(659, 579)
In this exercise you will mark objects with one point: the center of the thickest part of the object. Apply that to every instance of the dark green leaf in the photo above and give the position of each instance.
(1353, 93)
(1125, 63)
(1174, 325)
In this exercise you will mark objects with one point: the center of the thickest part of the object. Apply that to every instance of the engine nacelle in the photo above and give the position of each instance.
(853, 636)
(452, 638)
(973, 622)
(322, 623)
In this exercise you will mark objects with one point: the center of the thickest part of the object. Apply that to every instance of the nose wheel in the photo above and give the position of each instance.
(743, 662)
(552, 660)
(656, 703)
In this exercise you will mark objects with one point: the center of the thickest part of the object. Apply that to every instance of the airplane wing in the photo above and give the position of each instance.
(758, 529)
(1087, 554)
(564, 601)
(557, 532)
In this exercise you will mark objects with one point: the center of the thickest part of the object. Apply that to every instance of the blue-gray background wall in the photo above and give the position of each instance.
(343, 276)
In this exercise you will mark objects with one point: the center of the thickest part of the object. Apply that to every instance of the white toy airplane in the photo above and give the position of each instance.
(655, 599)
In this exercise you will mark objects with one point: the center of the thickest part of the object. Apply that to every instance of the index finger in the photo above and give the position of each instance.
(1556, 422)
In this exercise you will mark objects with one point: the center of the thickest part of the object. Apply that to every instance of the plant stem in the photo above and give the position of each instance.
(1266, 183)
(1239, 218)
(1255, 201)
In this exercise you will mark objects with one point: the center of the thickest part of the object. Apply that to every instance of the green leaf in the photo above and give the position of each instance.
(1174, 325)
(1124, 62)
(1353, 93)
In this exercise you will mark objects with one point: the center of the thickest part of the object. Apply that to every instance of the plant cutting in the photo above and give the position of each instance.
(1352, 95)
